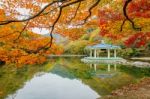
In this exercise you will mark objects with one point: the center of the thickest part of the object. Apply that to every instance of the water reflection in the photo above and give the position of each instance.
(52, 86)
(66, 79)
(110, 72)
(108, 67)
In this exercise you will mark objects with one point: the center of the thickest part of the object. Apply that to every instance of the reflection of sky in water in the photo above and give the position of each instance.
(52, 86)
(71, 80)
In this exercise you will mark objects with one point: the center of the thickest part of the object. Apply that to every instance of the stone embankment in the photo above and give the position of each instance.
(135, 63)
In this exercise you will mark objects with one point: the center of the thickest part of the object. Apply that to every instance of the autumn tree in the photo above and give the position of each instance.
(58, 15)
(129, 24)
(17, 45)
(49, 13)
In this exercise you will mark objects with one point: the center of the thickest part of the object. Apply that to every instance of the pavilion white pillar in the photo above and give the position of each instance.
(108, 53)
(95, 53)
(108, 68)
(90, 65)
(95, 67)
(91, 53)
(115, 53)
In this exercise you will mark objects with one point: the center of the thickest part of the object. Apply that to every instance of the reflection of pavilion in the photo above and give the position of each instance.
(110, 72)
(108, 67)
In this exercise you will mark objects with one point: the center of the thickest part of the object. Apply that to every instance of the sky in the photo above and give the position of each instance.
(40, 30)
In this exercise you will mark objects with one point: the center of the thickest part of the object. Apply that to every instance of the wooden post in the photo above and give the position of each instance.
(115, 53)
(108, 53)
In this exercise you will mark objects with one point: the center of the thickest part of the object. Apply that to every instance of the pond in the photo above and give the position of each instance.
(66, 78)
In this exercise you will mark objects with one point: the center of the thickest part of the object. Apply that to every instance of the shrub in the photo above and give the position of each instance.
(76, 47)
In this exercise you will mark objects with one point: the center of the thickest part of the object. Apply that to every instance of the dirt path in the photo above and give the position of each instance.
(140, 90)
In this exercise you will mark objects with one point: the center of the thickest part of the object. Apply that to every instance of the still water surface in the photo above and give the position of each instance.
(66, 79)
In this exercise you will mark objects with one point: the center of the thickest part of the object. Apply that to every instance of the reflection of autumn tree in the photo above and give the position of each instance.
(13, 79)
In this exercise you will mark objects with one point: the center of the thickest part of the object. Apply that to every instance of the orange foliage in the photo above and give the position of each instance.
(14, 49)
(110, 21)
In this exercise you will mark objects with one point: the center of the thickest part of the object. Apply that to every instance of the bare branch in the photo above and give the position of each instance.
(64, 4)
(75, 12)
(20, 33)
(32, 17)
(9, 34)
(90, 12)
(121, 28)
(51, 33)
(53, 26)
(126, 15)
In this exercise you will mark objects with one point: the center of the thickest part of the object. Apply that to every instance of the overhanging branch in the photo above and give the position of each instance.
(90, 12)
(65, 3)
(32, 17)
(127, 17)
(75, 14)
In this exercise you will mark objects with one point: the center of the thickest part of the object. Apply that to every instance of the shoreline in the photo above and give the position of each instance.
(141, 58)
(139, 90)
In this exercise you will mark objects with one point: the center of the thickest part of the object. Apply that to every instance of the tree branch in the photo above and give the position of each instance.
(53, 26)
(126, 15)
(64, 4)
(90, 12)
(121, 28)
(32, 17)
(20, 33)
(75, 14)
